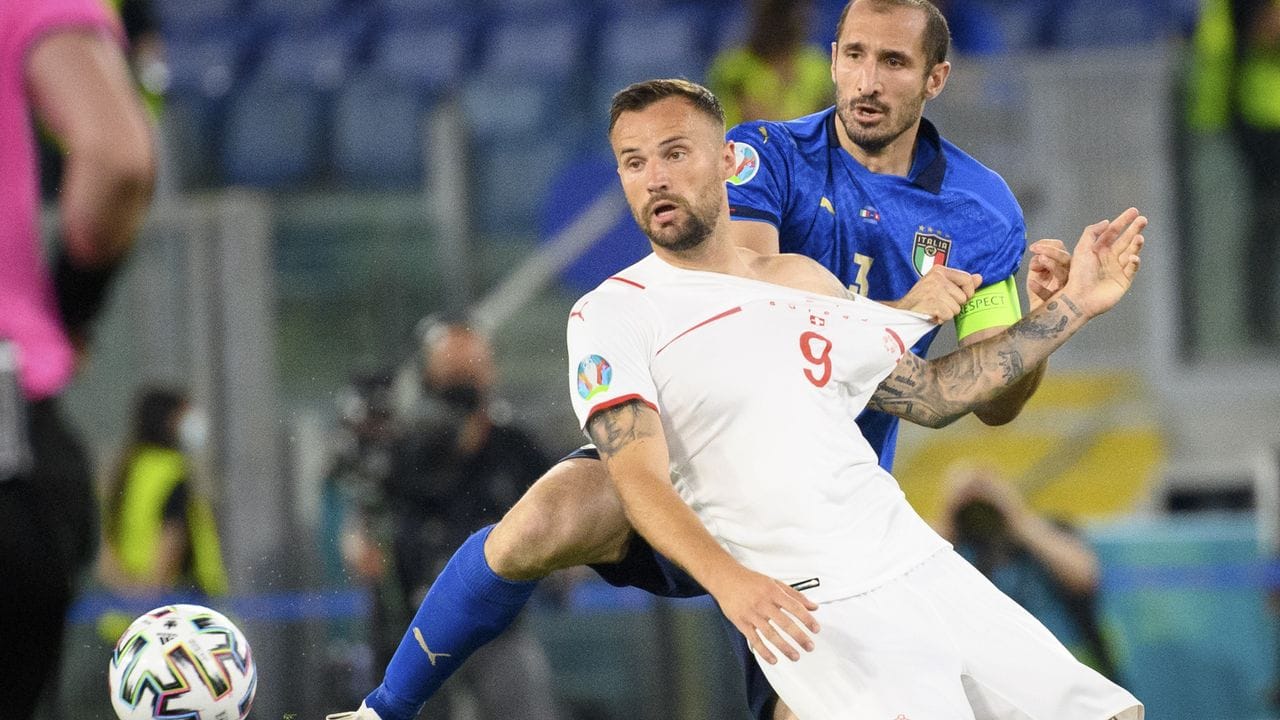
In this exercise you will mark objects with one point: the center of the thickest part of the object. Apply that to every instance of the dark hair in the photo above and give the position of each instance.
(777, 27)
(937, 36)
(153, 424)
(638, 96)
(153, 417)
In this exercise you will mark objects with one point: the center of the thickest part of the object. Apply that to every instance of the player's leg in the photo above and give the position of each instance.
(762, 701)
(570, 516)
(1014, 667)
(881, 654)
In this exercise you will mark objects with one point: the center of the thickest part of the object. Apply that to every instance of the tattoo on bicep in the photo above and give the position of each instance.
(617, 427)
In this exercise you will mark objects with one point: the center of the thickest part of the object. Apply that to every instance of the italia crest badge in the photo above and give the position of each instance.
(930, 249)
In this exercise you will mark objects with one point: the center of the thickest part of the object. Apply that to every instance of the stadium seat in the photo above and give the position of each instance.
(378, 134)
(206, 67)
(431, 59)
(545, 50)
(504, 109)
(1118, 23)
(273, 137)
(633, 47)
(294, 12)
(510, 183)
(318, 61)
(415, 10)
(189, 17)
(537, 10)
(669, 40)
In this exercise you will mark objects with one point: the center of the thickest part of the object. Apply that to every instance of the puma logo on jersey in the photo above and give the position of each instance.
(825, 203)
(417, 634)
(764, 133)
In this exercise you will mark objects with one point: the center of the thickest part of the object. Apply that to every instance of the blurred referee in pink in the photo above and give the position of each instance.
(62, 62)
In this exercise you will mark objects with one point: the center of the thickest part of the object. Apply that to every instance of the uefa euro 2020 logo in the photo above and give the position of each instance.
(594, 376)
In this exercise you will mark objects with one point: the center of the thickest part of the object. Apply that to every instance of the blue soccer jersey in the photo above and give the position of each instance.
(878, 233)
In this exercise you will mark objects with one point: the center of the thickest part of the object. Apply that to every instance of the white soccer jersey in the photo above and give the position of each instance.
(758, 387)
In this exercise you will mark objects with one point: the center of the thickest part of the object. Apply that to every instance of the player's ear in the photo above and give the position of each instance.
(937, 79)
(726, 160)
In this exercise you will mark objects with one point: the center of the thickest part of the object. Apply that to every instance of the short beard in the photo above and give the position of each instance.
(688, 235)
(873, 142)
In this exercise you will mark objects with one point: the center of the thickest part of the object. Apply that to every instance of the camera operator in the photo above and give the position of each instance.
(459, 466)
(1042, 564)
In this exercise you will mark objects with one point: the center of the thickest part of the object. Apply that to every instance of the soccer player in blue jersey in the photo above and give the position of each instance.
(869, 189)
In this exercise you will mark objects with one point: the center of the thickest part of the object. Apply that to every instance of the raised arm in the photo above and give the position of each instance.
(80, 86)
(935, 393)
(634, 450)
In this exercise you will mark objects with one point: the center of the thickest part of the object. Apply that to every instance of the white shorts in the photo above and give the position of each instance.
(941, 643)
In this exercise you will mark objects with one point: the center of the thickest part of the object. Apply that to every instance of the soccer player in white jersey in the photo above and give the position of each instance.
(721, 388)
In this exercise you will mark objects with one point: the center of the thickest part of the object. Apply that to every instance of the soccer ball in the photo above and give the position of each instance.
(182, 662)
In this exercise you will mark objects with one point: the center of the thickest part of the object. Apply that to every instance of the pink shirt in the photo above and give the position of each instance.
(28, 311)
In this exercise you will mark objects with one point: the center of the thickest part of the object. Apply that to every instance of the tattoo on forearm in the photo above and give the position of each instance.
(936, 393)
(1035, 328)
(615, 428)
(1011, 364)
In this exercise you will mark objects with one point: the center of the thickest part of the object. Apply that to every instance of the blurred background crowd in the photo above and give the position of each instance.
(337, 348)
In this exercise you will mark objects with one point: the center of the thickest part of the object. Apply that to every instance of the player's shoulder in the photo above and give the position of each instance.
(623, 292)
(795, 271)
(967, 175)
(782, 136)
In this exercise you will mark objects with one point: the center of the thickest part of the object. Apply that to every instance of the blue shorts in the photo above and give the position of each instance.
(645, 568)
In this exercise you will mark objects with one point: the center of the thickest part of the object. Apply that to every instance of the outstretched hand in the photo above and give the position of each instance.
(769, 613)
(1047, 271)
(1104, 262)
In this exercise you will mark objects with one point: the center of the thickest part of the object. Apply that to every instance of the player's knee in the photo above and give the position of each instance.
(571, 516)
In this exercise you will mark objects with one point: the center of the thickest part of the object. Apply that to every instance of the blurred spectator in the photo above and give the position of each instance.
(776, 75)
(161, 536)
(1043, 565)
(458, 467)
(60, 59)
(1235, 84)
(356, 528)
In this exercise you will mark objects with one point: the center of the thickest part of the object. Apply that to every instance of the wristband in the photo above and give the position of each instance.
(81, 292)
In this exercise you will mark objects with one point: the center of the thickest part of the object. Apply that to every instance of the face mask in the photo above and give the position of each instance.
(193, 431)
(463, 397)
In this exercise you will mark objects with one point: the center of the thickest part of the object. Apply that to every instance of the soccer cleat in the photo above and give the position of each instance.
(364, 713)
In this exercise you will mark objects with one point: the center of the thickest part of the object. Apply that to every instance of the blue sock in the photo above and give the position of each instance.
(467, 606)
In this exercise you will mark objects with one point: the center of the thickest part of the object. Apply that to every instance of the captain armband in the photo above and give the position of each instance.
(995, 305)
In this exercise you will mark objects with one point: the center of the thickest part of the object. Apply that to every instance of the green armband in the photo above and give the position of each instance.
(995, 305)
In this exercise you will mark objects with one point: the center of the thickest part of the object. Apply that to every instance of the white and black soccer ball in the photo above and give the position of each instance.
(182, 662)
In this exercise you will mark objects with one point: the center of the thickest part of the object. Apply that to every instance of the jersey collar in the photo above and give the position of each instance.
(929, 166)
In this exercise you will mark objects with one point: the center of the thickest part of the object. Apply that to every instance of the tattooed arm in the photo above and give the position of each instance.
(936, 393)
(634, 450)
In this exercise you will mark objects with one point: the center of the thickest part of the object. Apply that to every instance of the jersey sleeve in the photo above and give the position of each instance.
(30, 20)
(1006, 250)
(610, 345)
(759, 187)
